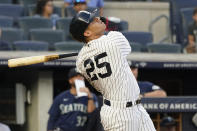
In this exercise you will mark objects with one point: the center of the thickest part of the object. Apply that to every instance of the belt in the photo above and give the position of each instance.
(128, 104)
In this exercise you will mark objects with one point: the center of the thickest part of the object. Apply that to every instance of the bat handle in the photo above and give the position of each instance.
(67, 55)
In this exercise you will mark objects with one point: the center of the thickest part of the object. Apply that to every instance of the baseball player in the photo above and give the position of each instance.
(69, 112)
(147, 89)
(102, 61)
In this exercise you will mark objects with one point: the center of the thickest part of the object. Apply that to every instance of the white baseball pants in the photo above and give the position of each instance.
(133, 118)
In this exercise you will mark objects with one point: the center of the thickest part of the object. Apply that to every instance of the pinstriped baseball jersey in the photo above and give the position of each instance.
(103, 63)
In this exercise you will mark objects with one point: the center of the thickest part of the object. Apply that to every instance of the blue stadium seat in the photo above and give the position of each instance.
(57, 10)
(27, 23)
(68, 46)
(5, 46)
(63, 24)
(186, 19)
(27, 2)
(136, 47)
(11, 34)
(139, 37)
(124, 25)
(164, 48)
(47, 35)
(175, 14)
(11, 10)
(5, 1)
(6, 21)
(31, 46)
(69, 11)
(32, 8)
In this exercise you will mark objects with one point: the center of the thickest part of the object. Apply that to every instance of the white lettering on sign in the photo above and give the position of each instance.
(163, 106)
(59, 63)
(183, 106)
(3, 62)
(150, 106)
(173, 106)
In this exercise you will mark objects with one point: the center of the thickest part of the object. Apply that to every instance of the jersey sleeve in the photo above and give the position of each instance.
(152, 87)
(51, 123)
(54, 113)
(55, 110)
(121, 42)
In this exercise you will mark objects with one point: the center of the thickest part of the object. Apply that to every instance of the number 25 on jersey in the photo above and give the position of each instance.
(105, 65)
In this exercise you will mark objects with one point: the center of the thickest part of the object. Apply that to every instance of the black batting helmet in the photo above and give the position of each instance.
(80, 23)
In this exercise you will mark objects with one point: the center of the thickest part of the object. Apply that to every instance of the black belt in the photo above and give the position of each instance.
(128, 104)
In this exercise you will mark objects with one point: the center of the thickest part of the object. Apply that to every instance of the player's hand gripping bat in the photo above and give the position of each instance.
(36, 59)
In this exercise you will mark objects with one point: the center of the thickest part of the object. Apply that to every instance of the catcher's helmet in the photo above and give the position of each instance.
(79, 24)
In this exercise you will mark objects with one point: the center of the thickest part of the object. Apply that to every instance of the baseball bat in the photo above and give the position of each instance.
(24, 61)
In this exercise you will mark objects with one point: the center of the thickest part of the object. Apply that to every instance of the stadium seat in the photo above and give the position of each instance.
(124, 25)
(27, 2)
(58, 11)
(11, 10)
(11, 34)
(32, 8)
(136, 47)
(68, 46)
(187, 14)
(186, 19)
(5, 1)
(164, 48)
(175, 14)
(47, 35)
(31, 46)
(69, 11)
(63, 24)
(5, 46)
(139, 37)
(27, 23)
(6, 21)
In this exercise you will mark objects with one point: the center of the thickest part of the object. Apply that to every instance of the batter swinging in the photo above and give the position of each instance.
(102, 61)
